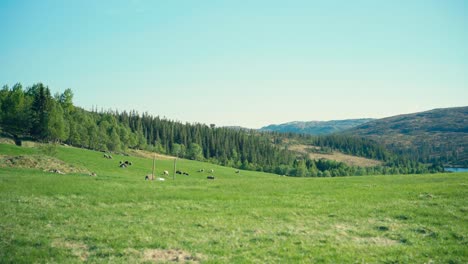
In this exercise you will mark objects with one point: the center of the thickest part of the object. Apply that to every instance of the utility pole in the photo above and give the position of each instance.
(173, 175)
(152, 172)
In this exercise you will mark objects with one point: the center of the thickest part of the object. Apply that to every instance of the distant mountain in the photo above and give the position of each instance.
(238, 128)
(435, 135)
(316, 127)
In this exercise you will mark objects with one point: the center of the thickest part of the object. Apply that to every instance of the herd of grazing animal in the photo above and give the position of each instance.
(209, 177)
(166, 173)
(125, 164)
(182, 172)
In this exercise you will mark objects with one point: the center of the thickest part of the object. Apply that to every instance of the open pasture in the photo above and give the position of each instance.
(237, 218)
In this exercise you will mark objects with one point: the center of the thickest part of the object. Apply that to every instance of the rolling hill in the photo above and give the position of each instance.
(316, 127)
(439, 135)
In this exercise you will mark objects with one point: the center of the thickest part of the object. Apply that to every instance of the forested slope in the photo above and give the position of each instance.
(34, 113)
(316, 127)
(439, 135)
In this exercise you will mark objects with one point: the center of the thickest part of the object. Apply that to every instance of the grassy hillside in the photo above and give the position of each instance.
(436, 135)
(237, 218)
(316, 127)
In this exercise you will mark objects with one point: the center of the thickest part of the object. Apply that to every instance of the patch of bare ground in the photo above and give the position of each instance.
(78, 249)
(336, 156)
(344, 232)
(30, 144)
(147, 154)
(7, 141)
(45, 163)
(170, 255)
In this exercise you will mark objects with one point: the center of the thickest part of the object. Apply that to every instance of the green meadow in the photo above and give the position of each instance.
(246, 217)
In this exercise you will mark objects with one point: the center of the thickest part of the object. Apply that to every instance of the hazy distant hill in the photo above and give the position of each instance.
(238, 128)
(439, 134)
(316, 127)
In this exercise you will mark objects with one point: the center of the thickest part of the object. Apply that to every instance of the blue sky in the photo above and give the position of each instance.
(248, 63)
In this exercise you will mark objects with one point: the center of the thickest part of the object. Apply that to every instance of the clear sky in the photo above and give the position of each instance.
(249, 63)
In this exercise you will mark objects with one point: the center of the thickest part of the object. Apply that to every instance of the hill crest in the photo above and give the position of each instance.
(316, 127)
(436, 135)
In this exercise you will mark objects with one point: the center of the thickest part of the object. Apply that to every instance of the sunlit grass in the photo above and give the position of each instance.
(237, 218)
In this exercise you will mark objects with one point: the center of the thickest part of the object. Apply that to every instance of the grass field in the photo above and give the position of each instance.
(249, 217)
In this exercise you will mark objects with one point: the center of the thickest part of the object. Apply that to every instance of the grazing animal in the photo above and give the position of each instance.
(178, 172)
(107, 156)
(93, 174)
(211, 170)
(160, 179)
(149, 177)
(123, 165)
(185, 173)
(201, 170)
(130, 163)
(146, 178)
(166, 172)
(210, 177)
(237, 171)
(120, 162)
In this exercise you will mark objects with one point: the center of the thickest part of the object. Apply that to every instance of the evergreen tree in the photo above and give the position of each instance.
(40, 109)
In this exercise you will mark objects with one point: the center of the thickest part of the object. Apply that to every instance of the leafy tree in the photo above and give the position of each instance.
(74, 137)
(301, 169)
(178, 150)
(93, 137)
(56, 127)
(15, 112)
(66, 101)
(3, 94)
(113, 144)
(195, 152)
(124, 133)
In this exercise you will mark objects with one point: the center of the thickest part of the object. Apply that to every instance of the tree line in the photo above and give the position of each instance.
(35, 113)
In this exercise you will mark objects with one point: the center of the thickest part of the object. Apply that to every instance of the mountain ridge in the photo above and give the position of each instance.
(315, 127)
(437, 135)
